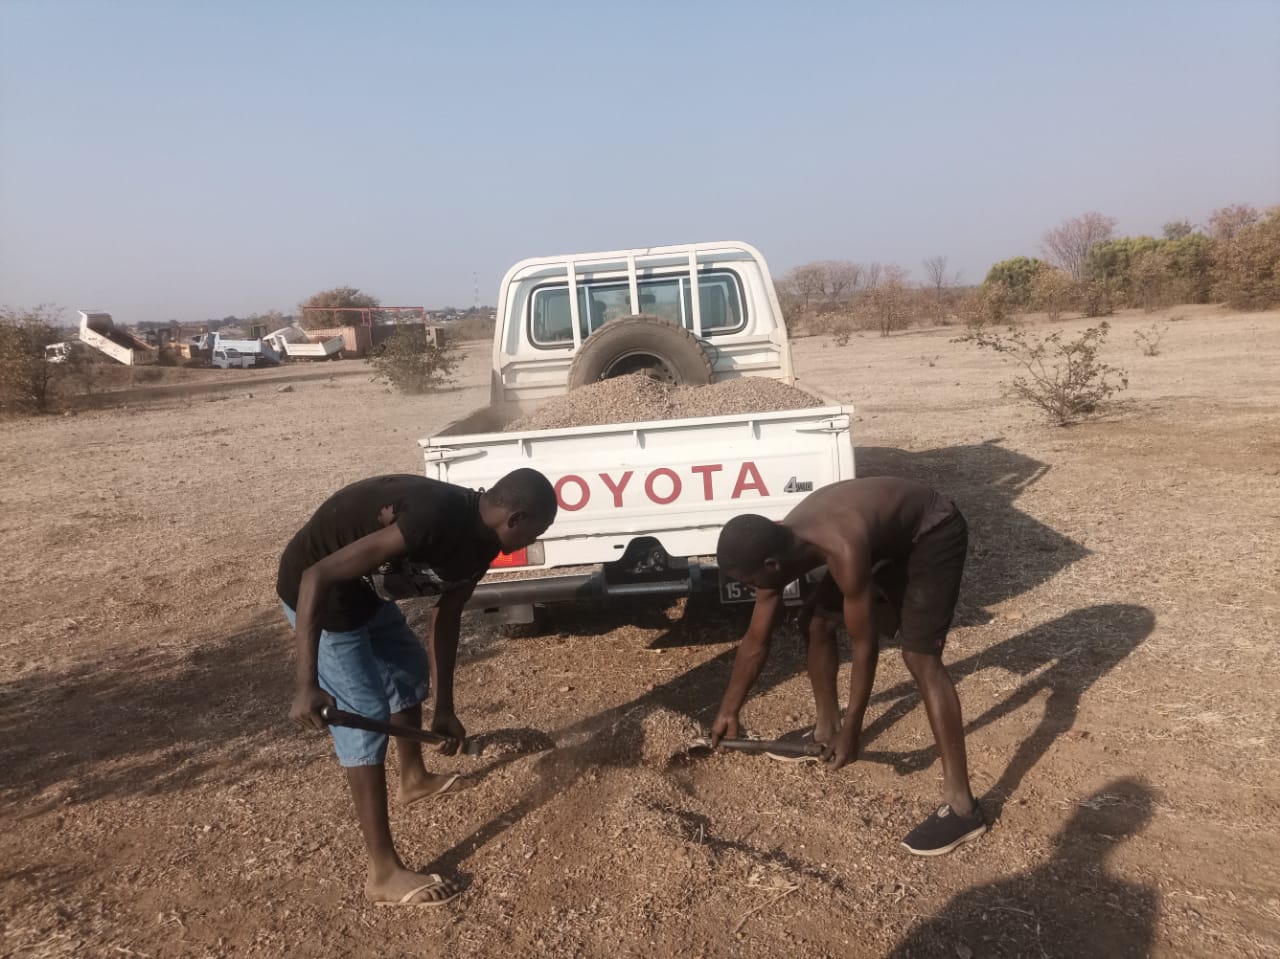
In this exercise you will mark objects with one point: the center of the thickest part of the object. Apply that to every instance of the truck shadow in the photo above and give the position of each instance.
(1070, 905)
(1010, 552)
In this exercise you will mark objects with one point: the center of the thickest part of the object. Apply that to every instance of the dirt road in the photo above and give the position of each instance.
(1116, 657)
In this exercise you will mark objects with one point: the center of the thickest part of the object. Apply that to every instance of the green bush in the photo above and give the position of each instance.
(409, 361)
(1016, 275)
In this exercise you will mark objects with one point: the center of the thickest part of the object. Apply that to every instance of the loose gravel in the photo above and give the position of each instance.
(639, 398)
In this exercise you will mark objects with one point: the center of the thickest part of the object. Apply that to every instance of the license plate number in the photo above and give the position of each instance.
(731, 591)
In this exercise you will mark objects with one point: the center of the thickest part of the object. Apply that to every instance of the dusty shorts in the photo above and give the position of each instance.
(923, 587)
(375, 670)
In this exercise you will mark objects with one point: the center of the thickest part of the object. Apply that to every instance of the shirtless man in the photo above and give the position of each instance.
(913, 540)
(375, 541)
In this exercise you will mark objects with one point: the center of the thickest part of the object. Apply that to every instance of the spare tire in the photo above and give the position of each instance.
(641, 344)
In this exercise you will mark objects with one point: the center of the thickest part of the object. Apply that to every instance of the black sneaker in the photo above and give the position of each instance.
(944, 830)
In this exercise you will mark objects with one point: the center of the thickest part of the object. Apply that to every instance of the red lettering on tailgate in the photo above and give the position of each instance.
(617, 488)
(707, 492)
(676, 486)
(584, 492)
(749, 478)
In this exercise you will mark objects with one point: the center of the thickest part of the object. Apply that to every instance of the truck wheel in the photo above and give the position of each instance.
(641, 344)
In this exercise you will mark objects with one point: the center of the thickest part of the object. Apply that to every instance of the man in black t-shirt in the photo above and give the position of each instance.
(375, 541)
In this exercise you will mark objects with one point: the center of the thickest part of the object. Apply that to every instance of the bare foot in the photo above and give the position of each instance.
(428, 786)
(393, 888)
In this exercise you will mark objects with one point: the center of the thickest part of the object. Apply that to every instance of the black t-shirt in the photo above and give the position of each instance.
(440, 522)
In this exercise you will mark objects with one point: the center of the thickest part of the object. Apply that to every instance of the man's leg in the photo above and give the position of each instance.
(819, 622)
(405, 672)
(823, 661)
(352, 674)
(415, 782)
(942, 706)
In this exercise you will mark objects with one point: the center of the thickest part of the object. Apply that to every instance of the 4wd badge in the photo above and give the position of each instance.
(798, 486)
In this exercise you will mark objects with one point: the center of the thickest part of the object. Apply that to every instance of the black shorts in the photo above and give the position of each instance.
(923, 588)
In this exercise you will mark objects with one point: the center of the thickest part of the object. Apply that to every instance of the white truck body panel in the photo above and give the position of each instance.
(99, 331)
(629, 282)
(679, 481)
(292, 341)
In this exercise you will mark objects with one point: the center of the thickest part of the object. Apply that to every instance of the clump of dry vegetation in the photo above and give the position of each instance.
(1061, 375)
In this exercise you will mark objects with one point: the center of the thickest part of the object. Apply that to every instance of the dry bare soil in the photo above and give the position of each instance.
(1116, 655)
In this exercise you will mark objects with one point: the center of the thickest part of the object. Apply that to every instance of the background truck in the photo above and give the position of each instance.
(98, 331)
(293, 342)
(641, 503)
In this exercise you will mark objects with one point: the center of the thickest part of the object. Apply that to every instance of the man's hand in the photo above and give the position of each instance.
(306, 707)
(725, 727)
(844, 748)
(446, 724)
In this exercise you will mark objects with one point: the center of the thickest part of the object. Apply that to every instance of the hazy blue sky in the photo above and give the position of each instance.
(184, 159)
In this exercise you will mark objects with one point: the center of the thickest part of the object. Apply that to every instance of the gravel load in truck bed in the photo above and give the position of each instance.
(639, 398)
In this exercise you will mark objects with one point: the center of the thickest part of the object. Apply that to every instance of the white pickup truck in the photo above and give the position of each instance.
(641, 504)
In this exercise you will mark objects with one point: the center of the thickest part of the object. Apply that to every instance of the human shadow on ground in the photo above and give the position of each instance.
(1064, 658)
(146, 722)
(1070, 906)
(1012, 553)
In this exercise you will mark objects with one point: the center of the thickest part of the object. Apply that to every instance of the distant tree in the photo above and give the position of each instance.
(1068, 246)
(809, 281)
(890, 301)
(1015, 275)
(28, 381)
(1052, 291)
(935, 272)
(1248, 264)
(1177, 229)
(1226, 222)
(339, 296)
(842, 278)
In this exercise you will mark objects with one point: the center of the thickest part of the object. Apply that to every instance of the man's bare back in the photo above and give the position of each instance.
(867, 519)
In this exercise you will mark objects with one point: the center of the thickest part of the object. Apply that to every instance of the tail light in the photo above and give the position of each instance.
(534, 555)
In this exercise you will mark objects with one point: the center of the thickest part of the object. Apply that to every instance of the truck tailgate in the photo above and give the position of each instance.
(676, 480)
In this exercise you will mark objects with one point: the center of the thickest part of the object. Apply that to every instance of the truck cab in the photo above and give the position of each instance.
(565, 321)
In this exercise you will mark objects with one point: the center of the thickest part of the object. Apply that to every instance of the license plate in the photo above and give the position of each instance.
(731, 591)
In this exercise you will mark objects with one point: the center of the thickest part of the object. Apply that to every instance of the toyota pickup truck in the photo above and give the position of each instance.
(641, 503)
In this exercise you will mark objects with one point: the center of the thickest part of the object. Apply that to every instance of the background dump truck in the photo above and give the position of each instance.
(98, 331)
(641, 503)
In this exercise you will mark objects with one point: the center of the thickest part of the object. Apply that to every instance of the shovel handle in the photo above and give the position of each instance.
(783, 747)
(340, 717)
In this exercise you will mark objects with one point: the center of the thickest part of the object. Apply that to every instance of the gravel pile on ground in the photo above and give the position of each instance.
(639, 398)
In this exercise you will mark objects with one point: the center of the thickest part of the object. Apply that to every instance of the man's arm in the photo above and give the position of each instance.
(856, 587)
(354, 560)
(747, 663)
(442, 645)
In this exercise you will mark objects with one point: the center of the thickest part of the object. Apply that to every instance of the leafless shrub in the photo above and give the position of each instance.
(1149, 338)
(1061, 376)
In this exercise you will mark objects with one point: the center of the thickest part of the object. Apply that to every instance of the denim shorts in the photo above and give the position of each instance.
(375, 670)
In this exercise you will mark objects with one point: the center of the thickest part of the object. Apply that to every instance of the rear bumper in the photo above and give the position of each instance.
(593, 587)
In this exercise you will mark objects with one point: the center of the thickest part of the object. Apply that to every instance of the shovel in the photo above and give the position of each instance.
(779, 747)
(340, 717)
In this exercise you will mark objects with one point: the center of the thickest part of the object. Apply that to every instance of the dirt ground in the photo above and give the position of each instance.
(1116, 656)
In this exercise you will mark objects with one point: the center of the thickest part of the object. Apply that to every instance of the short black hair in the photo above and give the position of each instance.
(527, 491)
(747, 541)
